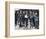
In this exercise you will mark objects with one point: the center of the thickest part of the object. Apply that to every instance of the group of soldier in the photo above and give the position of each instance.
(23, 16)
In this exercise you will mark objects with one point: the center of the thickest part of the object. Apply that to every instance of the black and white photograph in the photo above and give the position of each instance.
(27, 19)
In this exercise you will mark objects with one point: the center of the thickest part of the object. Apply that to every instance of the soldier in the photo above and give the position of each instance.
(16, 17)
(26, 19)
(35, 18)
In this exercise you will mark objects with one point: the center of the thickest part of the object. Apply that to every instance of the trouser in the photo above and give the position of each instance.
(15, 21)
(33, 20)
(26, 20)
(20, 24)
(23, 20)
(37, 25)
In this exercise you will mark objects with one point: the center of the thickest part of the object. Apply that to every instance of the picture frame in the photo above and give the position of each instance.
(7, 19)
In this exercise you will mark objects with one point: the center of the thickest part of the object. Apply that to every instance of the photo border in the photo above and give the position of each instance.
(7, 18)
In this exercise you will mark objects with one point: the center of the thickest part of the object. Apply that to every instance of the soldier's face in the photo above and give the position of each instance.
(35, 13)
(23, 12)
(17, 12)
(20, 12)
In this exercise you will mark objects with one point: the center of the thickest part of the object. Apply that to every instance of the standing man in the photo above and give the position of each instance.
(30, 18)
(16, 17)
(35, 20)
(26, 19)
(20, 18)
